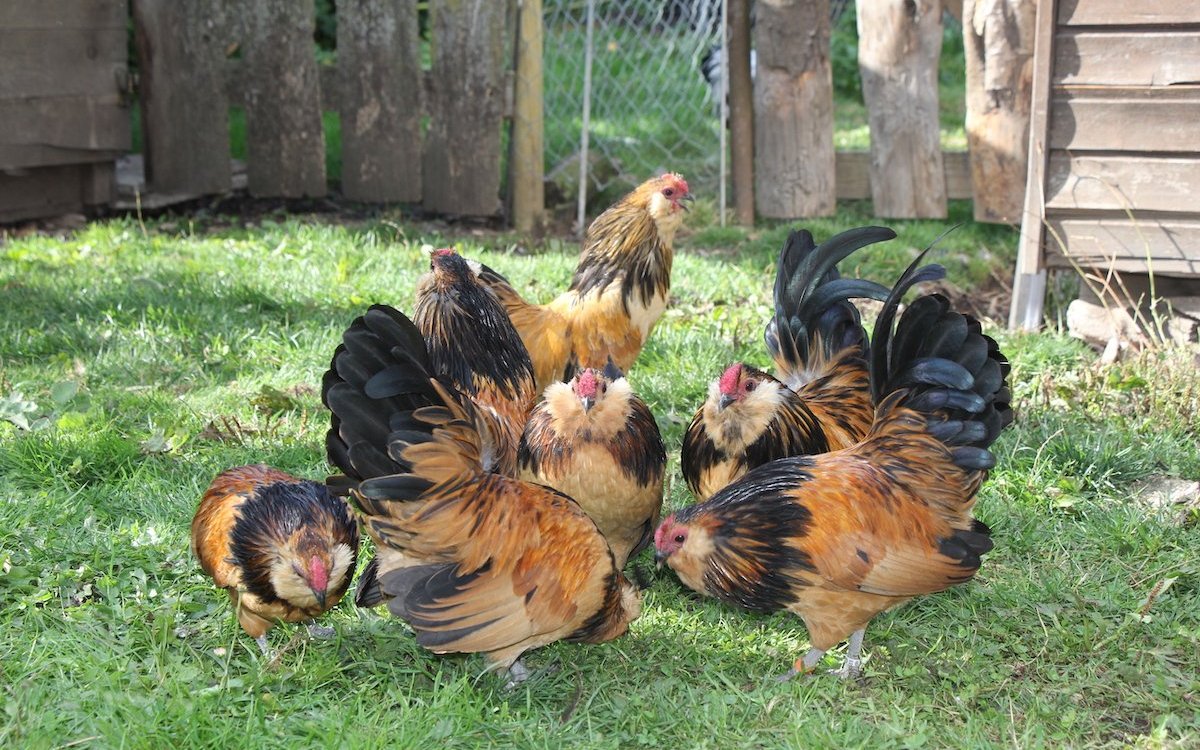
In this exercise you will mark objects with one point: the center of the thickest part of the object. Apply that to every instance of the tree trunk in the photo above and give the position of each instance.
(998, 35)
(285, 142)
(898, 47)
(793, 110)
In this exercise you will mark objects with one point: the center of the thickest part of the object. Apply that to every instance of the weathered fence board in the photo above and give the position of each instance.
(60, 14)
(462, 147)
(1095, 121)
(36, 63)
(854, 175)
(1119, 183)
(793, 111)
(998, 36)
(379, 68)
(185, 111)
(1127, 58)
(526, 167)
(1127, 12)
(80, 128)
(285, 141)
(1160, 245)
(898, 48)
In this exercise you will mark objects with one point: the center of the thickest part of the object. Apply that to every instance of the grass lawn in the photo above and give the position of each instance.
(143, 360)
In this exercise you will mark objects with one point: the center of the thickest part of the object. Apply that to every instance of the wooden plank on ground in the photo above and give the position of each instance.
(793, 111)
(1119, 183)
(379, 69)
(1145, 244)
(185, 111)
(62, 14)
(898, 49)
(1127, 57)
(462, 147)
(99, 122)
(998, 35)
(853, 170)
(1126, 13)
(1161, 118)
(36, 63)
(285, 140)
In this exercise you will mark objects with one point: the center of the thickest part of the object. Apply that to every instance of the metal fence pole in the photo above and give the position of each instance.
(581, 215)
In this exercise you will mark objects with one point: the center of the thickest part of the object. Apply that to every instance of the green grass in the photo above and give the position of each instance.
(194, 347)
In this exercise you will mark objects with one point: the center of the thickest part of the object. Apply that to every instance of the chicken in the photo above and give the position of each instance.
(283, 548)
(839, 537)
(595, 441)
(473, 560)
(618, 292)
(819, 399)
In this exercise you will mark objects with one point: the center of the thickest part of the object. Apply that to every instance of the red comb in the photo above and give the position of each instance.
(585, 386)
(729, 379)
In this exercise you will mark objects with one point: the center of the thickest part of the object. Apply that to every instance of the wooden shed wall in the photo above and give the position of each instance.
(63, 119)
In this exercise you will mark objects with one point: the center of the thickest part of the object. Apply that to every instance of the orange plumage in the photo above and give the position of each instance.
(595, 441)
(837, 538)
(818, 400)
(473, 560)
(283, 548)
(618, 292)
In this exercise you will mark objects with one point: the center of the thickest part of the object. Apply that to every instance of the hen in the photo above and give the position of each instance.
(595, 441)
(473, 560)
(839, 537)
(283, 548)
(819, 400)
(618, 292)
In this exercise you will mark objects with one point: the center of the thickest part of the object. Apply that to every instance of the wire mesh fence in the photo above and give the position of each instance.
(646, 77)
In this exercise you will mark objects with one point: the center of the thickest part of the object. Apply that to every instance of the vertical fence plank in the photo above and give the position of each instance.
(185, 111)
(741, 110)
(998, 35)
(899, 42)
(462, 147)
(285, 142)
(527, 164)
(379, 70)
(793, 118)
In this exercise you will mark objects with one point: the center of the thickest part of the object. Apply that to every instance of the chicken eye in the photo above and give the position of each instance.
(679, 538)
(751, 386)
(669, 192)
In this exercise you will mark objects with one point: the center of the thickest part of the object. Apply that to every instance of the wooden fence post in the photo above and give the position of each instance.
(998, 35)
(185, 110)
(379, 71)
(527, 163)
(741, 111)
(462, 146)
(285, 141)
(793, 113)
(898, 46)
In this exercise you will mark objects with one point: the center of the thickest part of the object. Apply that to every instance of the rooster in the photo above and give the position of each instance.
(618, 292)
(819, 400)
(595, 441)
(840, 537)
(473, 560)
(283, 548)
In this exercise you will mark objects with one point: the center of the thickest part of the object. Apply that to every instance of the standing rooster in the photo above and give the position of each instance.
(840, 537)
(594, 440)
(283, 548)
(619, 290)
(473, 560)
(820, 400)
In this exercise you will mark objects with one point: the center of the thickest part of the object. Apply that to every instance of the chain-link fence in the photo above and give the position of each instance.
(632, 88)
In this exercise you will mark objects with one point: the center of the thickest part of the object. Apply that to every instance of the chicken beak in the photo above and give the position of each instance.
(724, 401)
(587, 403)
(659, 559)
(320, 597)
(686, 201)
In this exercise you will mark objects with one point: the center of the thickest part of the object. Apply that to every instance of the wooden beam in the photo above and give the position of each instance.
(741, 111)
(1143, 245)
(379, 99)
(793, 112)
(1126, 13)
(527, 164)
(1161, 119)
(853, 175)
(1120, 182)
(1127, 57)
(898, 48)
(285, 139)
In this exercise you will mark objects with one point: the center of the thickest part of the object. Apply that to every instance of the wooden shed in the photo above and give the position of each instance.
(63, 114)
(1114, 162)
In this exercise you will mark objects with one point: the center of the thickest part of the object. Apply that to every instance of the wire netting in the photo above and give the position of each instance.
(654, 94)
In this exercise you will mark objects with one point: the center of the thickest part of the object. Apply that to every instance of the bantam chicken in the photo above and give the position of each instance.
(595, 441)
(819, 399)
(840, 537)
(618, 292)
(473, 560)
(283, 548)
